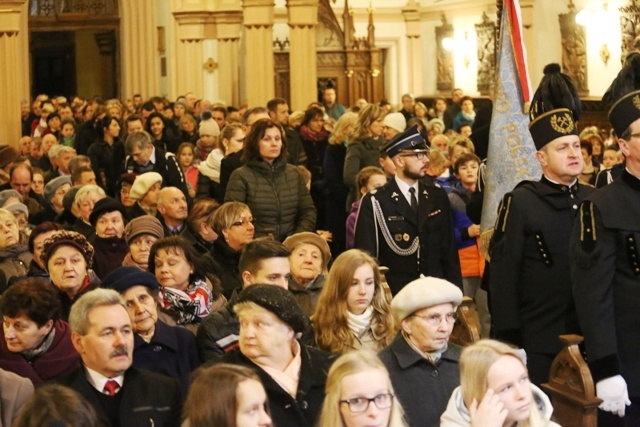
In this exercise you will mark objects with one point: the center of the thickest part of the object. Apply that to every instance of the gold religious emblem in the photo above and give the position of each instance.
(636, 101)
(210, 65)
(562, 123)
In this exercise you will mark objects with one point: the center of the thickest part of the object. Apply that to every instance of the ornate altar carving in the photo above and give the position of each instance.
(445, 75)
(630, 28)
(574, 49)
(486, 41)
(351, 65)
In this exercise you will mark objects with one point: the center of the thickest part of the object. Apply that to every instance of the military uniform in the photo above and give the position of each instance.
(530, 284)
(409, 244)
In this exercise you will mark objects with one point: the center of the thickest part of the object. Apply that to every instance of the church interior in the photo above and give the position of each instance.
(246, 52)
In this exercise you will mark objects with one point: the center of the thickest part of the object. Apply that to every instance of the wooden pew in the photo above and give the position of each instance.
(571, 387)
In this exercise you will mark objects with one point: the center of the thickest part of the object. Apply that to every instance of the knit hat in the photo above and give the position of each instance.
(208, 126)
(7, 155)
(104, 206)
(8, 194)
(123, 278)
(67, 238)
(143, 183)
(395, 121)
(70, 197)
(145, 224)
(277, 300)
(53, 185)
(422, 293)
(18, 207)
(297, 239)
(180, 102)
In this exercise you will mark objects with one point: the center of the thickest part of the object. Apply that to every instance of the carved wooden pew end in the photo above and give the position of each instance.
(571, 387)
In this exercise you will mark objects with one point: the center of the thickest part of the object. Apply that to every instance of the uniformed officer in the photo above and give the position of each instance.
(605, 262)
(529, 280)
(406, 224)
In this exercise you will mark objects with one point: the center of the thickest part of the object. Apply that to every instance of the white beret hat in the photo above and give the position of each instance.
(395, 121)
(143, 183)
(422, 293)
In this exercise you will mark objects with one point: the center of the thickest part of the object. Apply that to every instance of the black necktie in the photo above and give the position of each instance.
(414, 201)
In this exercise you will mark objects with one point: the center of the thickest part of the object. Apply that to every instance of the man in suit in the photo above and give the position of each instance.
(406, 224)
(122, 396)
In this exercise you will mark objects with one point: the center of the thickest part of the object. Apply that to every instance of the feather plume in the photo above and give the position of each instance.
(627, 80)
(556, 90)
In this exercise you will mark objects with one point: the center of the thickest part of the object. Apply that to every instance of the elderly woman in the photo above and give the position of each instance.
(267, 184)
(495, 390)
(126, 182)
(85, 200)
(364, 147)
(293, 374)
(199, 230)
(40, 233)
(37, 343)
(186, 294)
(68, 256)
(158, 347)
(14, 253)
(309, 259)
(144, 192)
(360, 393)
(353, 310)
(108, 218)
(234, 223)
(423, 365)
(140, 234)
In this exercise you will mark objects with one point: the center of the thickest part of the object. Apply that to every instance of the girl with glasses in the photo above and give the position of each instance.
(359, 393)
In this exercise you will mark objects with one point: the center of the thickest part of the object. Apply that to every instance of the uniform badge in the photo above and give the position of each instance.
(405, 237)
(394, 196)
(425, 193)
(434, 213)
(398, 237)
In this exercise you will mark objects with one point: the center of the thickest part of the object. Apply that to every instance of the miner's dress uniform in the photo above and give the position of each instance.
(407, 243)
(605, 267)
(530, 283)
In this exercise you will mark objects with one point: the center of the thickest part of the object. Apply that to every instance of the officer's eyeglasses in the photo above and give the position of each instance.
(420, 155)
(358, 405)
(436, 318)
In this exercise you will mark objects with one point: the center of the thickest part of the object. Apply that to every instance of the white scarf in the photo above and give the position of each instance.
(469, 116)
(360, 323)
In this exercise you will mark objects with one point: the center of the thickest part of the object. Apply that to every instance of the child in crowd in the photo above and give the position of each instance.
(367, 180)
(611, 157)
(186, 158)
(467, 236)
(437, 166)
(457, 147)
(68, 132)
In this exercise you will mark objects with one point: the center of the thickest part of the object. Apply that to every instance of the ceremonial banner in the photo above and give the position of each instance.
(511, 154)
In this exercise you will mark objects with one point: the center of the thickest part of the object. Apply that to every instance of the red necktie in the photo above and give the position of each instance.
(111, 387)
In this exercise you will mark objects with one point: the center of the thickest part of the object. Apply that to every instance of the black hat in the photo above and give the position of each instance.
(277, 300)
(555, 107)
(623, 96)
(104, 206)
(409, 140)
(123, 278)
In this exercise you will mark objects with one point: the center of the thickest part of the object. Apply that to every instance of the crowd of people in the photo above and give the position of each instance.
(190, 263)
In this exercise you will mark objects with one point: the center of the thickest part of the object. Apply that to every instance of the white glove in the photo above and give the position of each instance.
(614, 395)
